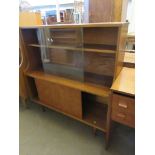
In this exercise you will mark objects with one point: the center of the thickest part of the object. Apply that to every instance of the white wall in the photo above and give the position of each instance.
(131, 15)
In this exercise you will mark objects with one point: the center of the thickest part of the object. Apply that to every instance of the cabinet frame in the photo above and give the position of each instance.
(115, 47)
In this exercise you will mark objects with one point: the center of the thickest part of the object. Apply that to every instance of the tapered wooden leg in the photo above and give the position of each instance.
(107, 135)
(24, 102)
(94, 131)
(43, 108)
(107, 140)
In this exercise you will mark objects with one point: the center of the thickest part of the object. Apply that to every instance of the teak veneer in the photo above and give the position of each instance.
(86, 87)
(71, 67)
(125, 82)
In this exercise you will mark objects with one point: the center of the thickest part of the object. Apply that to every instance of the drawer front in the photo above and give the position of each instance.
(126, 119)
(123, 104)
(123, 110)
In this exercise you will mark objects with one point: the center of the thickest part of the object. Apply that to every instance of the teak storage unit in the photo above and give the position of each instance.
(70, 68)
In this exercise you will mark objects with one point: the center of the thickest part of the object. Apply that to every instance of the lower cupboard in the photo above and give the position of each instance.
(61, 97)
(82, 106)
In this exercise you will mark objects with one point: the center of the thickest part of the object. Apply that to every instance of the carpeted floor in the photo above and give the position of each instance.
(51, 133)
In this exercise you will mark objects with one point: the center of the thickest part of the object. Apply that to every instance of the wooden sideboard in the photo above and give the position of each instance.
(70, 68)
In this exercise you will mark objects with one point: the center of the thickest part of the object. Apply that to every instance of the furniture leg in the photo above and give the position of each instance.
(24, 102)
(94, 131)
(43, 108)
(107, 135)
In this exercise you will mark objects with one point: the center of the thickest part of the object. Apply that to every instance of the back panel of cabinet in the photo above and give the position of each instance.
(99, 68)
(99, 59)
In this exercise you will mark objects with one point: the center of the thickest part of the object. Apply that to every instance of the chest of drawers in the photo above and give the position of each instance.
(123, 98)
(123, 110)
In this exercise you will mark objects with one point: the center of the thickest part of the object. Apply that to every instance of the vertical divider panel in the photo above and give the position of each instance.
(121, 42)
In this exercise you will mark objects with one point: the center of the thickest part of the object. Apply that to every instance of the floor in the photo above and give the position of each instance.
(51, 133)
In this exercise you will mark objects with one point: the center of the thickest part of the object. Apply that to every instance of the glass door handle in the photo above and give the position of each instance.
(48, 39)
(51, 40)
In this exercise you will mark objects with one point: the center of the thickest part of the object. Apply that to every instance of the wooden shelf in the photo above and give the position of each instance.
(88, 118)
(94, 50)
(102, 24)
(57, 47)
(86, 87)
(99, 51)
(64, 37)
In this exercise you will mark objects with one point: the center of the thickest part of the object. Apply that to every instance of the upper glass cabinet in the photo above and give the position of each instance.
(62, 51)
(86, 54)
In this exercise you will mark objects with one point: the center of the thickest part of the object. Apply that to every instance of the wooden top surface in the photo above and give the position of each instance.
(125, 82)
(105, 24)
(82, 86)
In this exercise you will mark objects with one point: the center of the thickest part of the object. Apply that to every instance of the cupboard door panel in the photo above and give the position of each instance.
(61, 97)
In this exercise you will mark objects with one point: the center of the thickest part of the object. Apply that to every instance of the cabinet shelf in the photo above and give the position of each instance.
(83, 86)
(64, 37)
(78, 49)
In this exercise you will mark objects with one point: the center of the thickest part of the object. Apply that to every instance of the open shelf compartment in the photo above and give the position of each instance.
(94, 112)
(90, 110)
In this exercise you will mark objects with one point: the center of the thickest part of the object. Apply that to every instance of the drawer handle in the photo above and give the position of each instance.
(122, 105)
(121, 115)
